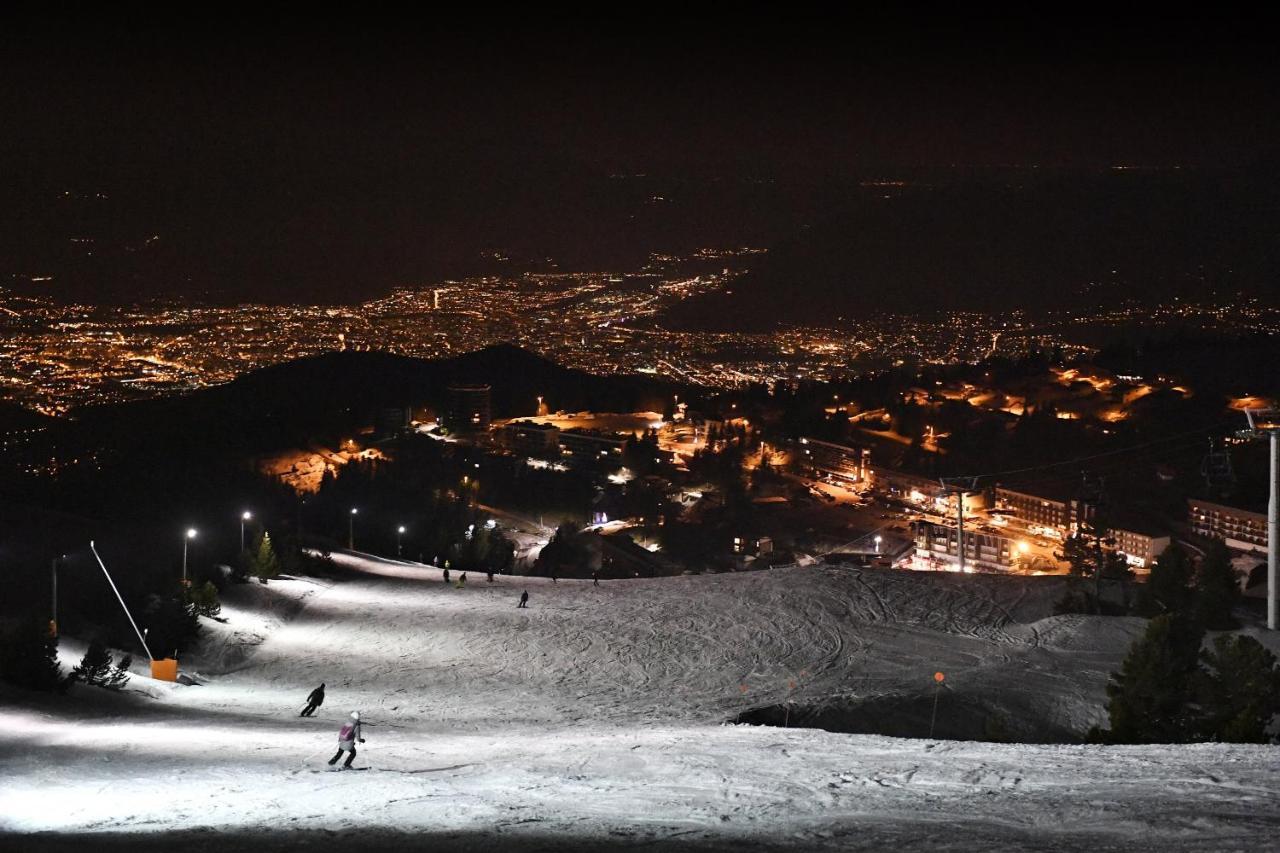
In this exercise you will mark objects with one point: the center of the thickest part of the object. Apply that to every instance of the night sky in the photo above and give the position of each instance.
(332, 160)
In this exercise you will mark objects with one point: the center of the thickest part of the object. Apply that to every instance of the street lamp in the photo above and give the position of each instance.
(878, 541)
(399, 535)
(1267, 421)
(351, 529)
(191, 534)
(244, 516)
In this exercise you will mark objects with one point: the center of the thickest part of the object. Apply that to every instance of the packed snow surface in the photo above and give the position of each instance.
(597, 715)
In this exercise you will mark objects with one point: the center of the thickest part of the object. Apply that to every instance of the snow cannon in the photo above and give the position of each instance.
(165, 669)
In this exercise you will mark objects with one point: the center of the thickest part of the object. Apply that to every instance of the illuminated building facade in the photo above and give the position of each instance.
(1241, 529)
(936, 549)
(468, 409)
(820, 459)
(1044, 508)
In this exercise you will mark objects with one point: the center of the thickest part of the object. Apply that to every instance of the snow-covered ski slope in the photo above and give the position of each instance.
(596, 718)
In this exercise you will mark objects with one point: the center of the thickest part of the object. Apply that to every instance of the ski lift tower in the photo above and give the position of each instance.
(1267, 421)
(960, 486)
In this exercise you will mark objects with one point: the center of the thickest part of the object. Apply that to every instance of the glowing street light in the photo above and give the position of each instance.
(191, 534)
(399, 535)
(244, 516)
(351, 529)
(878, 540)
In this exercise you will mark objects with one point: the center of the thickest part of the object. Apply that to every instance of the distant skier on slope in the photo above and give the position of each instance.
(524, 599)
(595, 577)
(314, 700)
(347, 737)
(462, 580)
(446, 574)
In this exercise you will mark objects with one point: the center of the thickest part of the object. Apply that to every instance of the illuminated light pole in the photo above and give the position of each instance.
(877, 541)
(351, 529)
(244, 516)
(399, 536)
(1268, 421)
(191, 534)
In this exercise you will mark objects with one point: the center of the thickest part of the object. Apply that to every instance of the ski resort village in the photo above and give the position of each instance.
(698, 621)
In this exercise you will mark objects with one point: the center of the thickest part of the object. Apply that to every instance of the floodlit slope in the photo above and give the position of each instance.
(400, 643)
(595, 715)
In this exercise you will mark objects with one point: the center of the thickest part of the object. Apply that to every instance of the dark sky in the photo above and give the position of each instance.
(278, 149)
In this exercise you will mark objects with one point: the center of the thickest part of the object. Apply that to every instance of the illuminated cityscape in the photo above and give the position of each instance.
(55, 357)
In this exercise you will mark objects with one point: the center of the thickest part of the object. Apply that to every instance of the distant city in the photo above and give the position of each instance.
(55, 357)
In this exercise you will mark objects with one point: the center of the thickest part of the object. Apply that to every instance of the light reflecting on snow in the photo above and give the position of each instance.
(598, 710)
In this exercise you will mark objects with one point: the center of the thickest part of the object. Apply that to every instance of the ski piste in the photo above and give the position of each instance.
(613, 703)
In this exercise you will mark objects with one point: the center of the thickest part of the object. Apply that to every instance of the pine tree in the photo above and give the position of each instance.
(172, 622)
(1167, 589)
(1152, 697)
(1217, 589)
(119, 673)
(1240, 692)
(204, 599)
(29, 658)
(265, 563)
(94, 667)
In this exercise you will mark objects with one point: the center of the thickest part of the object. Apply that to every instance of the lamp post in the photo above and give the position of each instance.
(244, 516)
(878, 540)
(53, 620)
(191, 534)
(351, 529)
(1267, 421)
(399, 536)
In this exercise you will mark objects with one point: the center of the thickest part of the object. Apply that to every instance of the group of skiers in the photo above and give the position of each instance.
(348, 736)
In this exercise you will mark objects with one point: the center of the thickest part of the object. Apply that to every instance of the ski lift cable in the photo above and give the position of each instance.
(1111, 465)
(1102, 455)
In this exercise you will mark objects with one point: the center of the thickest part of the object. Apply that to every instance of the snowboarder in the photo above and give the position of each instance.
(462, 580)
(347, 737)
(595, 578)
(446, 574)
(314, 700)
(553, 576)
(524, 599)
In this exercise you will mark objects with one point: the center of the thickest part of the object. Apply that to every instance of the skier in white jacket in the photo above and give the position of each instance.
(348, 735)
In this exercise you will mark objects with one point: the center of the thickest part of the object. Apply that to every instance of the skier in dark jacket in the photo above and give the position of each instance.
(524, 599)
(314, 700)
(446, 574)
(348, 735)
